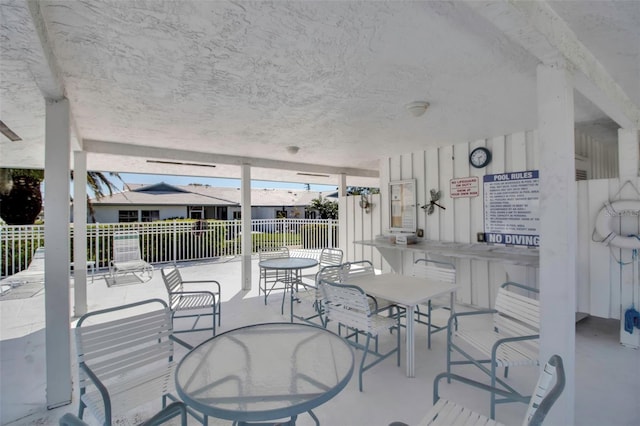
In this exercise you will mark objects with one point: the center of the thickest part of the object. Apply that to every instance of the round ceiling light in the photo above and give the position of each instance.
(293, 149)
(417, 108)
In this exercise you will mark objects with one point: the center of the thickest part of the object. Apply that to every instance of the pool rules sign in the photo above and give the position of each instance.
(511, 208)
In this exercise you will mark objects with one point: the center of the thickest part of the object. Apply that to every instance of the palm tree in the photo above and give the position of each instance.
(95, 182)
(21, 198)
(328, 209)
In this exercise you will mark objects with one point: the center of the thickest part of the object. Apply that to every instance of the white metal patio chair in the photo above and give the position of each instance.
(348, 305)
(312, 295)
(512, 339)
(127, 258)
(270, 277)
(445, 412)
(33, 274)
(437, 271)
(193, 303)
(364, 268)
(125, 358)
(309, 292)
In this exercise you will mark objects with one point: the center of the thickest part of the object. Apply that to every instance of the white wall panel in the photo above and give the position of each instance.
(602, 290)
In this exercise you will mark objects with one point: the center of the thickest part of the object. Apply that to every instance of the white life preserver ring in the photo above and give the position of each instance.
(608, 223)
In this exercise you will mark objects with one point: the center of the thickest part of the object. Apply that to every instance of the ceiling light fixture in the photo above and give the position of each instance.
(417, 108)
(293, 149)
(180, 163)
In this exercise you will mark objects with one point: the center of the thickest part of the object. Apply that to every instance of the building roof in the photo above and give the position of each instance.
(203, 195)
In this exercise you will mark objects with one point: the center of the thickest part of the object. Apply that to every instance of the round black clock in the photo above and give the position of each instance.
(480, 157)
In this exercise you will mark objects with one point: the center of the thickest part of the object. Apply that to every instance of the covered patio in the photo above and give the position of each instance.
(326, 92)
(605, 393)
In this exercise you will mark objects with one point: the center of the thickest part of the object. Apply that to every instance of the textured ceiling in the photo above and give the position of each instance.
(241, 81)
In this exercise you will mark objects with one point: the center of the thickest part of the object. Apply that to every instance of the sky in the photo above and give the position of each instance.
(220, 182)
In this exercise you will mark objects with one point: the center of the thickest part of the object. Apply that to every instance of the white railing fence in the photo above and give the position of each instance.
(173, 241)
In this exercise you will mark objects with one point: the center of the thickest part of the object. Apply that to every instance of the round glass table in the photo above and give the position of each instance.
(265, 372)
(291, 266)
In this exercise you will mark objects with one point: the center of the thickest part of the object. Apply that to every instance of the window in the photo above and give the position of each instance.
(196, 212)
(150, 215)
(281, 214)
(309, 214)
(127, 215)
(237, 215)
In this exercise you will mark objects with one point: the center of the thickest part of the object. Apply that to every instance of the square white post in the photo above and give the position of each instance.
(558, 230)
(245, 212)
(79, 233)
(57, 247)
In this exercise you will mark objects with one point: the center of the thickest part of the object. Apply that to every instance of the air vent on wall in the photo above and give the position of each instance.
(313, 174)
(180, 163)
(10, 134)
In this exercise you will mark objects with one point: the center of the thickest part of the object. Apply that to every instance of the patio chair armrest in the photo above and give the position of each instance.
(106, 399)
(211, 293)
(499, 342)
(217, 284)
(457, 315)
(483, 386)
(520, 286)
(181, 342)
(375, 304)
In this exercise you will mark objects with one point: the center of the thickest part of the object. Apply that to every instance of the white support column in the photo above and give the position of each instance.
(79, 233)
(342, 185)
(56, 263)
(342, 219)
(245, 212)
(628, 153)
(558, 242)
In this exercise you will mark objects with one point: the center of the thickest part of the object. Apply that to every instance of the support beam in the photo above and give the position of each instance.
(558, 229)
(541, 31)
(628, 153)
(342, 185)
(57, 247)
(128, 150)
(245, 212)
(79, 233)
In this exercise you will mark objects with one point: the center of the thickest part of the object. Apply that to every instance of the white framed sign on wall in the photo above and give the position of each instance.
(511, 208)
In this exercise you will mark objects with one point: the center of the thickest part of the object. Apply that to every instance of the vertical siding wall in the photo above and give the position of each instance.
(608, 278)
(433, 168)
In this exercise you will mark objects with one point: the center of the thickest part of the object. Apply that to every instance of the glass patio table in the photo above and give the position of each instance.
(291, 266)
(265, 372)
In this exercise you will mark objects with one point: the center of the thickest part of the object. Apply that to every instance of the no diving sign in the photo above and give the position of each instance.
(464, 187)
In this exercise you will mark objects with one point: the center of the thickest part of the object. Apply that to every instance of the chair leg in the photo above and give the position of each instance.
(429, 325)
(493, 395)
(364, 356)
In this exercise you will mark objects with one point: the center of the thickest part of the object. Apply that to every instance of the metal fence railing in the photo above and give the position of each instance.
(173, 241)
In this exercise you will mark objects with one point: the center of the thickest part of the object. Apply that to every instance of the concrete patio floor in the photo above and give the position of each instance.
(607, 374)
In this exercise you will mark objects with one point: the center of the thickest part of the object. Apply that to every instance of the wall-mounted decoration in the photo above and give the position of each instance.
(435, 197)
(480, 157)
(364, 203)
(511, 208)
(466, 187)
(403, 216)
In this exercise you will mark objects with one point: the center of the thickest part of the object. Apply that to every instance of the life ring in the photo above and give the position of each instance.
(608, 223)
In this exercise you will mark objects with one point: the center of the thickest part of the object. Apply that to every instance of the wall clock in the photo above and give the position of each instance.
(480, 157)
